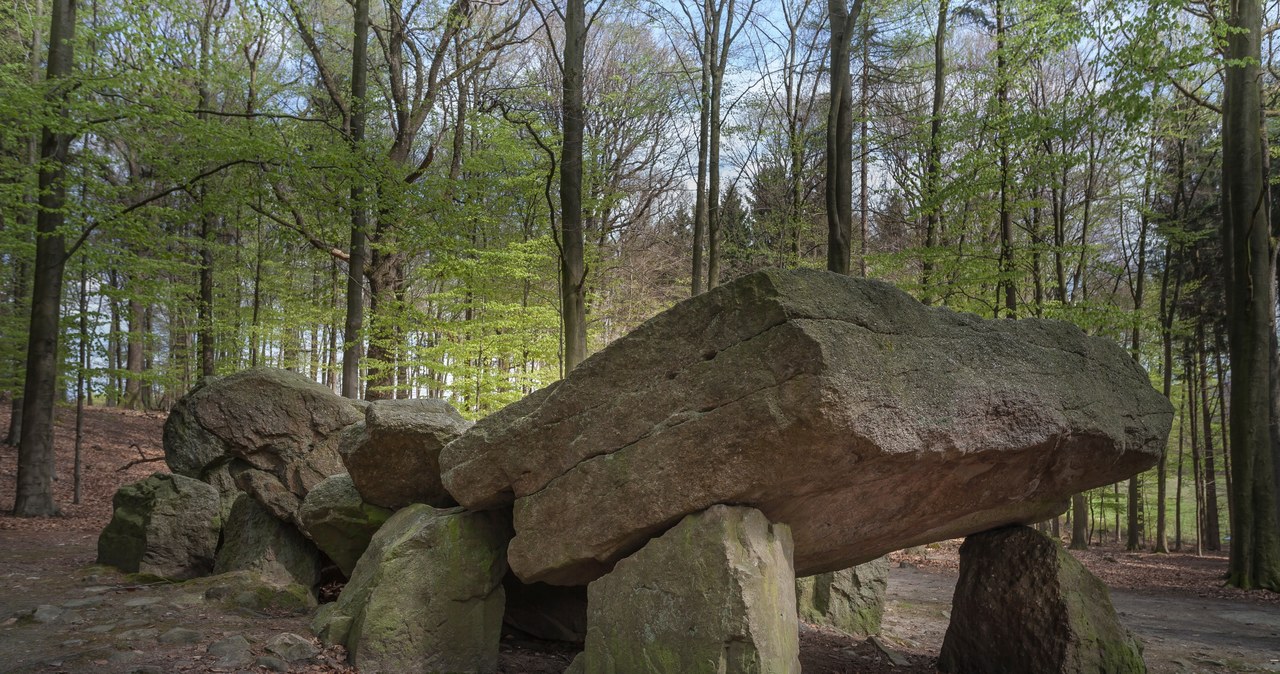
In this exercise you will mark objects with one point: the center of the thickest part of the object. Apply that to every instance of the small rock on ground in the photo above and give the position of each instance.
(292, 647)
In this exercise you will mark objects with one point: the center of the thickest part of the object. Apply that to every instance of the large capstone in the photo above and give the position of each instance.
(166, 525)
(393, 456)
(1023, 604)
(713, 595)
(256, 540)
(339, 521)
(426, 596)
(839, 406)
(850, 600)
(271, 433)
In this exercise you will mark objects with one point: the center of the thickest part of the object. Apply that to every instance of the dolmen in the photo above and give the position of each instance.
(660, 502)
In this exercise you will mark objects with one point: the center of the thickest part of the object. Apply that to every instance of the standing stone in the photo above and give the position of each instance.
(714, 595)
(339, 521)
(165, 525)
(271, 433)
(842, 407)
(850, 600)
(426, 596)
(1024, 604)
(255, 540)
(394, 455)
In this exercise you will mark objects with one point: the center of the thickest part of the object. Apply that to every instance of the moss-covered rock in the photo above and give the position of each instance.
(339, 521)
(164, 526)
(1024, 604)
(851, 600)
(252, 591)
(714, 595)
(254, 540)
(426, 595)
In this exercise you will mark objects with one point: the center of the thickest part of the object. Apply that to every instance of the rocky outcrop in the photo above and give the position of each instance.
(339, 521)
(850, 600)
(1023, 604)
(271, 433)
(253, 539)
(165, 525)
(839, 406)
(393, 456)
(426, 596)
(715, 594)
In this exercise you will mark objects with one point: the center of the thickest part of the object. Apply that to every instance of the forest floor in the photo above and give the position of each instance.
(59, 613)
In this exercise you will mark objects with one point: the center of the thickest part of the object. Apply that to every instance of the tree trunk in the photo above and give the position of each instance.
(1246, 231)
(933, 162)
(1079, 522)
(1006, 291)
(34, 497)
(839, 164)
(1212, 535)
(572, 265)
(351, 338)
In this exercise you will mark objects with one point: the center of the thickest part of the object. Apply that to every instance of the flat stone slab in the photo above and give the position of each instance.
(841, 407)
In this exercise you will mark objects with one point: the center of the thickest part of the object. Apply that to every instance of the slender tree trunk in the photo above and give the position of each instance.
(204, 311)
(1248, 257)
(839, 164)
(34, 493)
(83, 362)
(351, 337)
(1177, 494)
(864, 151)
(1079, 522)
(1007, 290)
(704, 139)
(572, 264)
(933, 162)
(1212, 535)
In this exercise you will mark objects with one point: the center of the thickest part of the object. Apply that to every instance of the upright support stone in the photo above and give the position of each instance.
(165, 525)
(850, 600)
(426, 596)
(1023, 604)
(715, 594)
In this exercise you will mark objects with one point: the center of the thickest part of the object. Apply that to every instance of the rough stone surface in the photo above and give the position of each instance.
(426, 596)
(546, 611)
(272, 433)
(255, 592)
(255, 540)
(339, 521)
(1024, 604)
(850, 600)
(231, 652)
(394, 455)
(839, 406)
(714, 595)
(165, 525)
(292, 647)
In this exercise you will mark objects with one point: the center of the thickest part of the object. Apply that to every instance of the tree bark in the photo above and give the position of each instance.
(351, 338)
(933, 162)
(839, 163)
(34, 497)
(572, 264)
(1246, 232)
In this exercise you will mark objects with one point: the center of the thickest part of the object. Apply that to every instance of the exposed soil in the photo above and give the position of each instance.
(59, 613)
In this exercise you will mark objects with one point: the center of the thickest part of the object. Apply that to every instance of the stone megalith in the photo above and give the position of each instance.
(839, 406)
(165, 525)
(714, 595)
(393, 456)
(850, 600)
(426, 596)
(271, 433)
(1024, 604)
(254, 539)
(339, 521)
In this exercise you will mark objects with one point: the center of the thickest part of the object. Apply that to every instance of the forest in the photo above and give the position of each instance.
(462, 199)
